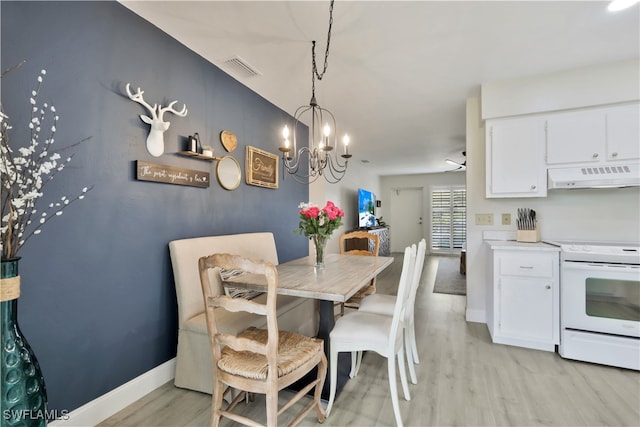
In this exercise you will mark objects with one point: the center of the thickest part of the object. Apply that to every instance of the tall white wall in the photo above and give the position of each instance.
(345, 195)
(585, 214)
(477, 257)
(562, 90)
(389, 184)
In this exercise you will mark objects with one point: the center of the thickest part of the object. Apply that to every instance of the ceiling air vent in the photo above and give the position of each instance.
(240, 67)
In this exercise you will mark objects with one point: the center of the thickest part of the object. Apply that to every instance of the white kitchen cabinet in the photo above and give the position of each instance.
(524, 295)
(623, 132)
(594, 135)
(515, 158)
(575, 137)
(519, 150)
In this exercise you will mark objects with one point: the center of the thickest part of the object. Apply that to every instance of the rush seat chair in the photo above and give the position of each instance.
(352, 243)
(256, 360)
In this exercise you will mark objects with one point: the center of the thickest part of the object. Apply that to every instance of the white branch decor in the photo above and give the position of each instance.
(25, 175)
(155, 140)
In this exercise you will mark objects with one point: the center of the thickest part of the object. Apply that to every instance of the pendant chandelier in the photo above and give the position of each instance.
(321, 154)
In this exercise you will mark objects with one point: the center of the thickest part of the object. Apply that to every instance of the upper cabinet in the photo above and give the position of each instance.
(589, 123)
(515, 162)
(623, 132)
(592, 136)
(519, 150)
(575, 137)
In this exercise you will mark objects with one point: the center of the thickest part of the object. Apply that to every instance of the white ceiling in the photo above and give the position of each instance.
(399, 71)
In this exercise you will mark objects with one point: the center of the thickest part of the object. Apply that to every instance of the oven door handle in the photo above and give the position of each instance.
(585, 265)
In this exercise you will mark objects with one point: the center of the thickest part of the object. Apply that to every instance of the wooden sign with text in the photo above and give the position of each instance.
(261, 168)
(146, 171)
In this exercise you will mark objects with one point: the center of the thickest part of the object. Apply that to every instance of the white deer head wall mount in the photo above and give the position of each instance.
(155, 140)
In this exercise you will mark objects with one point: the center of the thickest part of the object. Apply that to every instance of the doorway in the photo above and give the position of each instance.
(406, 211)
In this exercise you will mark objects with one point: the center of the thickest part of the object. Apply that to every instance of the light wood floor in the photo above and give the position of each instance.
(463, 380)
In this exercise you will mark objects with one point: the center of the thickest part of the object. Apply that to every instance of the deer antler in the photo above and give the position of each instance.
(137, 97)
(155, 141)
(170, 109)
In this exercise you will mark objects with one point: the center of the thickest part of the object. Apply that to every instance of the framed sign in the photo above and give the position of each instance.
(146, 171)
(261, 168)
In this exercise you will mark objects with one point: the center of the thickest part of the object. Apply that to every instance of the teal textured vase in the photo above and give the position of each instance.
(24, 397)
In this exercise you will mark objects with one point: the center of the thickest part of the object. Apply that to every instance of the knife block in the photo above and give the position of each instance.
(530, 236)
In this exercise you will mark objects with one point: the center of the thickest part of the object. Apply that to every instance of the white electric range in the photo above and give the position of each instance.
(600, 302)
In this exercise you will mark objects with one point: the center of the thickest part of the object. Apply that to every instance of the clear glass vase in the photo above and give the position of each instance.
(319, 242)
(24, 397)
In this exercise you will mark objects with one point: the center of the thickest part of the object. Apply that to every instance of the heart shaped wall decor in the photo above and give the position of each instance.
(229, 140)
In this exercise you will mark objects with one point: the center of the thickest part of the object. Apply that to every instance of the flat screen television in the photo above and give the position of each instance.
(366, 209)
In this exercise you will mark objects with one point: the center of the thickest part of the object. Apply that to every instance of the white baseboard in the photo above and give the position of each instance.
(477, 316)
(98, 410)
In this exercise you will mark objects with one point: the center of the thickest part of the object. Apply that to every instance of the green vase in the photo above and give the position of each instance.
(24, 397)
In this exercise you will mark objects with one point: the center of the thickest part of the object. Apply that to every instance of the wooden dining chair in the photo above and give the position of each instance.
(385, 304)
(256, 360)
(359, 243)
(358, 331)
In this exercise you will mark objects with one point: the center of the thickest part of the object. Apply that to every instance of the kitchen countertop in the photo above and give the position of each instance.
(521, 246)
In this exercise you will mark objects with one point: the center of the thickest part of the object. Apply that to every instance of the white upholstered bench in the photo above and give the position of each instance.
(193, 359)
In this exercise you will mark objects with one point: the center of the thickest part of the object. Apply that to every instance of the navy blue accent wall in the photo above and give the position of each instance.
(98, 302)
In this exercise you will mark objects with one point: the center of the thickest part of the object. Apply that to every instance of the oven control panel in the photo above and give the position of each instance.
(600, 252)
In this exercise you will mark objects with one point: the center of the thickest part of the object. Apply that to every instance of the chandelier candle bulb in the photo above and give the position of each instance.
(345, 142)
(327, 132)
(286, 145)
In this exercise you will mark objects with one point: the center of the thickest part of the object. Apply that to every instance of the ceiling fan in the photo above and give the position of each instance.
(460, 166)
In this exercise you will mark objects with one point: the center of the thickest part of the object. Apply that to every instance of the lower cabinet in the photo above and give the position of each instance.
(524, 296)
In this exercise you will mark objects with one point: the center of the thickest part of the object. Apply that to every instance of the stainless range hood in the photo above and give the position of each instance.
(608, 176)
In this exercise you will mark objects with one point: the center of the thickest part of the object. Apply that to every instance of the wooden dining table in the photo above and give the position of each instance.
(338, 280)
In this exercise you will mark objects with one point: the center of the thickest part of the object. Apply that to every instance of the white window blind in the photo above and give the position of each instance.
(448, 218)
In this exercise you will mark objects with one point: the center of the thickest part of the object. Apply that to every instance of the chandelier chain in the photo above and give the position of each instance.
(320, 156)
(326, 52)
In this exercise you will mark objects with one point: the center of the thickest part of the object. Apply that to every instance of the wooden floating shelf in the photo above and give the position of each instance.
(198, 155)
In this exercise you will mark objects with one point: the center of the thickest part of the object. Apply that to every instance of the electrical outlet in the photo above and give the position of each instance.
(484, 219)
(506, 219)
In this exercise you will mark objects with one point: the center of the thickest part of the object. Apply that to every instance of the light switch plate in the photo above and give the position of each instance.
(484, 219)
(506, 219)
